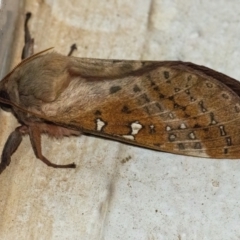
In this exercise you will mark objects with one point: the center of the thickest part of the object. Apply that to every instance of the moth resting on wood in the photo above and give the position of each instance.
(170, 106)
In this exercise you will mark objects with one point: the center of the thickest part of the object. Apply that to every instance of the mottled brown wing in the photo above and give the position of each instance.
(174, 107)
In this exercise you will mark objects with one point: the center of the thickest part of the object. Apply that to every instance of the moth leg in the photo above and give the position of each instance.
(13, 142)
(28, 40)
(35, 137)
(72, 49)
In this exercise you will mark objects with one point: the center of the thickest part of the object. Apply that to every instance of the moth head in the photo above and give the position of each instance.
(7, 86)
(4, 95)
(4, 91)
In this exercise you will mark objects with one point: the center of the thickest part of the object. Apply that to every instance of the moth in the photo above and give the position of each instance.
(170, 106)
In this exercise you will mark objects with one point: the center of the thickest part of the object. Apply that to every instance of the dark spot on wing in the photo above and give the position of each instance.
(114, 89)
(125, 109)
(136, 88)
(98, 112)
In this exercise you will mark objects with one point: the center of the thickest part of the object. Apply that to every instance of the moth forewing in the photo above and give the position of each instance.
(169, 106)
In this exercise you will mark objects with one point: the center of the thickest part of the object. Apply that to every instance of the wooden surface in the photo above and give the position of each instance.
(119, 191)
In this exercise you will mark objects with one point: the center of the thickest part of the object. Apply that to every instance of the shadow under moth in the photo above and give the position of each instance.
(170, 106)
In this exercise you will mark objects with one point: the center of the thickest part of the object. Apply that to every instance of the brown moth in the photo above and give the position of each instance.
(170, 106)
